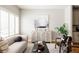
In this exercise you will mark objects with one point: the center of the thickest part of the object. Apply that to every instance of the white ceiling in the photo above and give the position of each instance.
(42, 6)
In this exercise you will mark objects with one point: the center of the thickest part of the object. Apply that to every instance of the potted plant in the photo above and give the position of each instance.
(63, 30)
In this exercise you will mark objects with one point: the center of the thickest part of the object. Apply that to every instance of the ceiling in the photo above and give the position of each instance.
(42, 6)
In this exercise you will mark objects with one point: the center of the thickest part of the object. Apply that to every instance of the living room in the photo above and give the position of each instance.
(23, 26)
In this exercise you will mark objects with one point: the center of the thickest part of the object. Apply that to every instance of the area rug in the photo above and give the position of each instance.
(51, 47)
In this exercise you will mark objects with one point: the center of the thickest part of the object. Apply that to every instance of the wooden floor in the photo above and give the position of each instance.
(75, 48)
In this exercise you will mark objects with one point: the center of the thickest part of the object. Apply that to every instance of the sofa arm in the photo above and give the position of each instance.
(24, 38)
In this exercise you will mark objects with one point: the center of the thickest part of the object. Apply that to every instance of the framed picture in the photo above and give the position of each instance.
(41, 21)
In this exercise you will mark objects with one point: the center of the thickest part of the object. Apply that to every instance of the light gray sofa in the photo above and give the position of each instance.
(17, 47)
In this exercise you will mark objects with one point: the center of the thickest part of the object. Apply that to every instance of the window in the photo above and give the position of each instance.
(4, 23)
(9, 23)
(16, 25)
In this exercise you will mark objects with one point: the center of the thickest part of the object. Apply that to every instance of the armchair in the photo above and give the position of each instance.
(65, 45)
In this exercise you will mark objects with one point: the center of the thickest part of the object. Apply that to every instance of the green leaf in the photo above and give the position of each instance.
(62, 29)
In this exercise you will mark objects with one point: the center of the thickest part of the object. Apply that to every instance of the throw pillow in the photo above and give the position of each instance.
(18, 39)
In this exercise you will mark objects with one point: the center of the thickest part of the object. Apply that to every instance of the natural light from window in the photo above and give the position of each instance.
(9, 23)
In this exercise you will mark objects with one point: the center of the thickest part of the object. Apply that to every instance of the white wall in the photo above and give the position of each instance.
(11, 8)
(55, 17)
(68, 18)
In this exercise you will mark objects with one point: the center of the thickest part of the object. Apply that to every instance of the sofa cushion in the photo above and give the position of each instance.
(18, 39)
(17, 47)
(11, 40)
